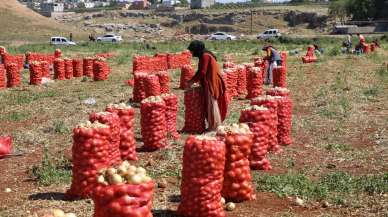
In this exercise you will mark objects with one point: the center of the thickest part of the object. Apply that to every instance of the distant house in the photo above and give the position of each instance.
(197, 4)
(170, 3)
(48, 8)
(140, 5)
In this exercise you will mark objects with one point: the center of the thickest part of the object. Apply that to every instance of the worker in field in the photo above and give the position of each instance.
(361, 38)
(348, 43)
(274, 59)
(210, 79)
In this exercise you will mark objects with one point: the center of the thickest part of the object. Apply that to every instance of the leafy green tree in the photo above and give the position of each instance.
(361, 9)
(337, 9)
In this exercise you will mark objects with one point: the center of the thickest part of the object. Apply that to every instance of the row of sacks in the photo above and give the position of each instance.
(28, 58)
(161, 62)
(93, 67)
(146, 85)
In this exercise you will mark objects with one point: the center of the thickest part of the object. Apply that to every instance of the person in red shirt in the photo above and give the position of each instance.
(213, 86)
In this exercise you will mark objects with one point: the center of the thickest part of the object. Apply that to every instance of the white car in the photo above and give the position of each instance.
(61, 41)
(270, 33)
(222, 36)
(110, 38)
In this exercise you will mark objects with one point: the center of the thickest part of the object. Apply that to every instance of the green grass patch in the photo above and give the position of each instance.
(52, 171)
(20, 98)
(60, 127)
(338, 147)
(15, 116)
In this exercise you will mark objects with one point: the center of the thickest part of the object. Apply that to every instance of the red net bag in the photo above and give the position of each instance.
(259, 121)
(35, 73)
(178, 60)
(59, 69)
(57, 53)
(171, 102)
(68, 69)
(13, 75)
(238, 140)
(227, 65)
(88, 67)
(241, 80)
(284, 114)
(3, 81)
(5, 146)
(271, 102)
(194, 111)
(123, 192)
(255, 82)
(202, 177)
(187, 72)
(127, 123)
(280, 73)
(151, 85)
(164, 81)
(153, 123)
(139, 87)
(16, 59)
(78, 68)
(113, 121)
(101, 69)
(91, 152)
(230, 76)
(45, 69)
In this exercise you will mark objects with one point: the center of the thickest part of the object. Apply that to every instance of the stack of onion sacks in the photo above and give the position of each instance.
(3, 81)
(68, 68)
(171, 101)
(101, 69)
(230, 77)
(202, 177)
(238, 140)
(57, 53)
(91, 152)
(78, 67)
(153, 123)
(88, 66)
(124, 191)
(59, 69)
(35, 73)
(259, 120)
(127, 123)
(187, 73)
(164, 81)
(139, 92)
(254, 82)
(13, 75)
(45, 69)
(242, 80)
(151, 85)
(194, 110)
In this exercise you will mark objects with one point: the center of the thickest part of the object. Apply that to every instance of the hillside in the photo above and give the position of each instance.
(18, 24)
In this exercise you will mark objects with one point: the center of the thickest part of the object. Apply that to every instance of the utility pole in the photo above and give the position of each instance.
(251, 21)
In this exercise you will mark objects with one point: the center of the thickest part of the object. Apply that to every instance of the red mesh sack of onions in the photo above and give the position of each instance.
(271, 102)
(284, 114)
(90, 153)
(113, 121)
(35, 73)
(59, 69)
(153, 123)
(3, 81)
(194, 111)
(178, 60)
(78, 68)
(259, 120)
(16, 59)
(279, 77)
(228, 64)
(127, 123)
(255, 82)
(139, 87)
(151, 85)
(13, 75)
(125, 191)
(68, 68)
(231, 81)
(57, 53)
(242, 80)
(238, 140)
(171, 101)
(45, 69)
(202, 177)
(88, 66)
(187, 72)
(101, 69)
(164, 81)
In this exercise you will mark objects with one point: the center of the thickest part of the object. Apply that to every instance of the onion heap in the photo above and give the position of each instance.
(35, 73)
(187, 73)
(78, 67)
(202, 177)
(123, 191)
(139, 87)
(59, 69)
(164, 81)
(13, 75)
(151, 85)
(194, 111)
(242, 80)
(113, 121)
(255, 82)
(91, 152)
(237, 185)
(284, 114)
(57, 53)
(259, 119)
(127, 123)
(45, 69)
(68, 68)
(153, 123)
(52, 213)
(171, 101)
(88, 66)
(176, 61)
(101, 69)
(271, 102)
(3, 81)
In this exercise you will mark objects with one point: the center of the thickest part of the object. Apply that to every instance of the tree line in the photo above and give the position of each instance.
(359, 9)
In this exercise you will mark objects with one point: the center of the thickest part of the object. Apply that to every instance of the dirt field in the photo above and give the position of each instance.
(338, 155)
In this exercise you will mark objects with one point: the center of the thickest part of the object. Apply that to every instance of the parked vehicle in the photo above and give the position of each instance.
(109, 38)
(61, 41)
(222, 36)
(270, 33)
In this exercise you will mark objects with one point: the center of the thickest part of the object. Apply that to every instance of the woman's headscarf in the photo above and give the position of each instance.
(198, 49)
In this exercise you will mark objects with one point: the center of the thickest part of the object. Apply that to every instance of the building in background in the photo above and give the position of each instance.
(48, 8)
(197, 4)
